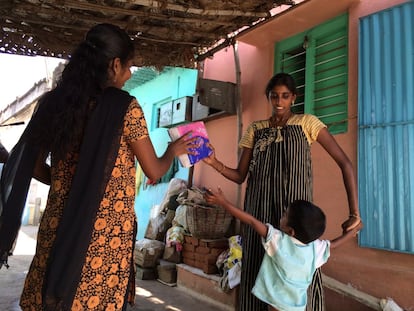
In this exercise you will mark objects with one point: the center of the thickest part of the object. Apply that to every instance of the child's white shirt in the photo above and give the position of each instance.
(287, 269)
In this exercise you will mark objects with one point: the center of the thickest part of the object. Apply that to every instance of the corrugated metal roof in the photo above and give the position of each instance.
(143, 75)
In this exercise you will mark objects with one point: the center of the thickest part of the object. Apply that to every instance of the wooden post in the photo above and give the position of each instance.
(190, 177)
(239, 110)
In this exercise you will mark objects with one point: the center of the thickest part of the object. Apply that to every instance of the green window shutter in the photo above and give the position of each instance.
(321, 73)
(330, 77)
(292, 60)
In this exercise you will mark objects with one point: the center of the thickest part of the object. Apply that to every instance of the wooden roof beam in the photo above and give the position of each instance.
(179, 8)
(145, 30)
(96, 7)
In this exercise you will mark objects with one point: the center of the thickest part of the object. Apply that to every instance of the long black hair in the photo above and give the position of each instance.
(66, 107)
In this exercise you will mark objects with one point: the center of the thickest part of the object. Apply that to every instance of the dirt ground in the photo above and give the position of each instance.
(151, 294)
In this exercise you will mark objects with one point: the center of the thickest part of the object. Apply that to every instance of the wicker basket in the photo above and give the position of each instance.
(207, 222)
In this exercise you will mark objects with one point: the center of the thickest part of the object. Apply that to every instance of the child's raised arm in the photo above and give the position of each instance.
(218, 198)
(346, 236)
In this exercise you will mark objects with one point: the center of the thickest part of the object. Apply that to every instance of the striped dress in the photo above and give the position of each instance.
(280, 172)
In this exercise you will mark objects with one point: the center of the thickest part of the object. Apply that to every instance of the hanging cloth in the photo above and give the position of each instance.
(14, 185)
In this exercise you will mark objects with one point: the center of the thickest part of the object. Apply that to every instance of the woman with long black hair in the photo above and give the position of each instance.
(83, 140)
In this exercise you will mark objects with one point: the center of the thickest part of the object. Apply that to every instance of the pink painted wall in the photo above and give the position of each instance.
(378, 273)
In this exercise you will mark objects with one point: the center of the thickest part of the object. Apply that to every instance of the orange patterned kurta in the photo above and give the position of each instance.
(106, 270)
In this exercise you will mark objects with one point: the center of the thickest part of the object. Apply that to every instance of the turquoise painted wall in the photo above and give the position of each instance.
(172, 83)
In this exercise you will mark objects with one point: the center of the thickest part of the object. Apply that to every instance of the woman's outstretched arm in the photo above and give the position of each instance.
(329, 143)
(155, 167)
(237, 175)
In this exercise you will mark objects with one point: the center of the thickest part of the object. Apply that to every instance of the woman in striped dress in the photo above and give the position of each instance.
(277, 159)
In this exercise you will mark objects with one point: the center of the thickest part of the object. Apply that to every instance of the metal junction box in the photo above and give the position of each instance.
(216, 94)
(175, 112)
(165, 115)
(181, 110)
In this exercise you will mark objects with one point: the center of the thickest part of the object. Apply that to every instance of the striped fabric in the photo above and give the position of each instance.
(280, 172)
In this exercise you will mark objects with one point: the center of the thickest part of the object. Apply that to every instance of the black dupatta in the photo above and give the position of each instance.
(14, 185)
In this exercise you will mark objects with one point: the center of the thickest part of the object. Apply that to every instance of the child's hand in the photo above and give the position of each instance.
(346, 235)
(215, 197)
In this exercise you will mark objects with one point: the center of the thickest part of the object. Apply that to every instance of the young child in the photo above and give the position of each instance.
(292, 254)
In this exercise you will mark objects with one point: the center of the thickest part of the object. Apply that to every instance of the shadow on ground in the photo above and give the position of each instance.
(151, 294)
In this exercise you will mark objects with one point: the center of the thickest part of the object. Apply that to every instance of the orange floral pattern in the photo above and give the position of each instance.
(106, 270)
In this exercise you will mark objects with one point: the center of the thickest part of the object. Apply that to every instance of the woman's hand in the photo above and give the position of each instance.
(155, 167)
(351, 223)
(184, 145)
(211, 159)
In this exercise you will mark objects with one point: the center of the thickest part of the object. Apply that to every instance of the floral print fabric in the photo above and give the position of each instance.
(106, 271)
